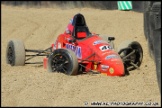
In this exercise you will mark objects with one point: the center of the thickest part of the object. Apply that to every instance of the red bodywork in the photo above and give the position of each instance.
(101, 57)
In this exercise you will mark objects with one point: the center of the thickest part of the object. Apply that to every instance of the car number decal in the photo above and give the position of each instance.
(105, 47)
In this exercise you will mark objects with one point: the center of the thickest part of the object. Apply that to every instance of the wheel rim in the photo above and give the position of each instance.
(132, 58)
(60, 63)
(10, 55)
(135, 58)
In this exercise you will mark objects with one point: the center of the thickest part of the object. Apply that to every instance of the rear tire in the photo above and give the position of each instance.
(63, 60)
(15, 53)
(153, 28)
(147, 5)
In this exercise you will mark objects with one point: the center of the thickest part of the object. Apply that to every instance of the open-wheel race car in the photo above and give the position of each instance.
(77, 49)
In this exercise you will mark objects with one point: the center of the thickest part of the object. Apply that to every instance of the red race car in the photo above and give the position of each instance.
(79, 50)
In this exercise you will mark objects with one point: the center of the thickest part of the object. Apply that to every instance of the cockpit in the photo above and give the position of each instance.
(80, 30)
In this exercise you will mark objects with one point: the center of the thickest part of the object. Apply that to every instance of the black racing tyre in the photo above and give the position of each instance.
(146, 18)
(157, 54)
(155, 38)
(135, 58)
(64, 61)
(15, 53)
(150, 48)
(146, 25)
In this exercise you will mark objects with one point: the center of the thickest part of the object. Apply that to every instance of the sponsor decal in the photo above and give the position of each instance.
(59, 45)
(105, 47)
(76, 49)
(104, 67)
(98, 42)
(111, 56)
(111, 70)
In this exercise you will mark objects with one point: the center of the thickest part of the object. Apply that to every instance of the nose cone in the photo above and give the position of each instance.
(115, 67)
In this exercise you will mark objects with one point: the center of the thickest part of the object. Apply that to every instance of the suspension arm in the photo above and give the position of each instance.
(38, 51)
(38, 55)
(123, 50)
(128, 55)
(34, 63)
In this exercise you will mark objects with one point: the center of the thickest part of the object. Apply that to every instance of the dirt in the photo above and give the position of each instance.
(32, 85)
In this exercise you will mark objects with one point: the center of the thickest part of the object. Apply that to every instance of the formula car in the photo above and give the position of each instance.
(77, 49)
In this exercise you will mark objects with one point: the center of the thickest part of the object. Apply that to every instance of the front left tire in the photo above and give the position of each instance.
(64, 61)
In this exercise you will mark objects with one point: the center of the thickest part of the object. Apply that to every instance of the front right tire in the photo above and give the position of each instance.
(135, 58)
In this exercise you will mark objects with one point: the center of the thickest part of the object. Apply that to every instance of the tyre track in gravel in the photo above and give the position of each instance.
(30, 22)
